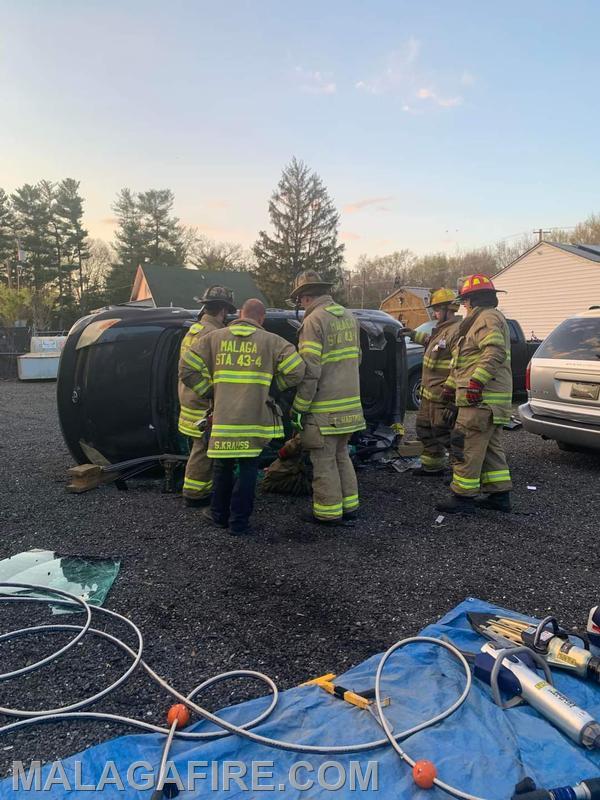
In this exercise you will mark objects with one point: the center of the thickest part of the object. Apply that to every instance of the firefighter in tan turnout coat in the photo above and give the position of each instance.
(237, 366)
(480, 385)
(433, 430)
(197, 484)
(327, 405)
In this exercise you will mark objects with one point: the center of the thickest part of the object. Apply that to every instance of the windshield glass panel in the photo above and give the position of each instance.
(577, 339)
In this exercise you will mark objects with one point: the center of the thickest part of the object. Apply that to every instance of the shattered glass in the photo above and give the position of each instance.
(88, 578)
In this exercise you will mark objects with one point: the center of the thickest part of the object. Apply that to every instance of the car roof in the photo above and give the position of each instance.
(593, 311)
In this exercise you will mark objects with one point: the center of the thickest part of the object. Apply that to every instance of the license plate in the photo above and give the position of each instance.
(585, 391)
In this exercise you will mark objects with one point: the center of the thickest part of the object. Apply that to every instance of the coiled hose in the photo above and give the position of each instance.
(74, 710)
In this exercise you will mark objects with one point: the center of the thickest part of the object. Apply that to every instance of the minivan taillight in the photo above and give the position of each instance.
(528, 377)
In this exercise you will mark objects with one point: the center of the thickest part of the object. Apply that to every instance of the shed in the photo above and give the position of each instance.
(548, 283)
(408, 304)
(157, 286)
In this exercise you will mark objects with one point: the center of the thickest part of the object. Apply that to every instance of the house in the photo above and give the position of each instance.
(408, 305)
(156, 286)
(548, 283)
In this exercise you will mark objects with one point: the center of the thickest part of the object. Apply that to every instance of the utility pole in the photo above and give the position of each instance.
(364, 285)
(540, 233)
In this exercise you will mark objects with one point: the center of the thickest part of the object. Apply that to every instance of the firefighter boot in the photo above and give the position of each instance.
(497, 501)
(457, 504)
(421, 472)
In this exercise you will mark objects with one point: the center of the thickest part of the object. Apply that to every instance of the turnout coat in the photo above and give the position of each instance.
(192, 407)
(437, 358)
(237, 366)
(329, 343)
(482, 352)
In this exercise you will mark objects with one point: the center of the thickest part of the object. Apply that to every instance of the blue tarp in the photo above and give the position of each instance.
(480, 749)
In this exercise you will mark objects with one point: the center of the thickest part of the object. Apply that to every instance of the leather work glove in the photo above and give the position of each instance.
(448, 395)
(449, 415)
(409, 332)
(474, 392)
(296, 417)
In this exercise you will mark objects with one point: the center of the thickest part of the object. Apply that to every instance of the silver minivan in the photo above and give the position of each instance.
(563, 384)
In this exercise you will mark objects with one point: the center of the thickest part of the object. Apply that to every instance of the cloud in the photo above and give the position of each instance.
(352, 208)
(349, 236)
(444, 102)
(315, 82)
(398, 69)
(404, 76)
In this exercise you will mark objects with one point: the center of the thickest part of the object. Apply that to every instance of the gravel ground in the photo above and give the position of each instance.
(290, 601)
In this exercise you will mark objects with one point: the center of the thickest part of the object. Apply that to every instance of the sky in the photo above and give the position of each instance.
(435, 125)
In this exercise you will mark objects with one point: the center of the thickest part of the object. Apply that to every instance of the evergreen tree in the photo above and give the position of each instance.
(7, 238)
(69, 213)
(305, 226)
(129, 246)
(147, 232)
(32, 227)
(47, 190)
(163, 235)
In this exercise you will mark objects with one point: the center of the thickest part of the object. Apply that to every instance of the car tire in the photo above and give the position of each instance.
(414, 390)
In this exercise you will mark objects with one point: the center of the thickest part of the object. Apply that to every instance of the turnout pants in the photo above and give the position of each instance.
(433, 433)
(335, 489)
(233, 496)
(478, 460)
(198, 482)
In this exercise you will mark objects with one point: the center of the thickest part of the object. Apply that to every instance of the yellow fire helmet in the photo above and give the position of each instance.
(442, 297)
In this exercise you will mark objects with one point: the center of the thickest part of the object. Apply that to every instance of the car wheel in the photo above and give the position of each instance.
(414, 391)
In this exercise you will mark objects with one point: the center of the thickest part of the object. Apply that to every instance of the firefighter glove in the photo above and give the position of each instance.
(474, 392)
(296, 417)
(449, 415)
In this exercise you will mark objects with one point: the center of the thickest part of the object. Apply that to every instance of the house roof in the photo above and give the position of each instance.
(180, 287)
(419, 291)
(591, 251)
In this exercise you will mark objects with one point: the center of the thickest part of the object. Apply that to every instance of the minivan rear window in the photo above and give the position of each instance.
(577, 339)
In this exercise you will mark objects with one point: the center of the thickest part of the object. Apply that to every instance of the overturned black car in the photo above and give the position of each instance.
(117, 379)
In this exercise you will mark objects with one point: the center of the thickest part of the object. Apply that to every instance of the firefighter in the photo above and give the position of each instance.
(237, 365)
(432, 426)
(327, 407)
(197, 484)
(480, 385)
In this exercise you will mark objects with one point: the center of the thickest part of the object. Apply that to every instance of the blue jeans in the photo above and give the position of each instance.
(233, 497)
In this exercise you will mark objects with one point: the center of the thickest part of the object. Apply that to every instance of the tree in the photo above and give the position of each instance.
(32, 227)
(68, 214)
(15, 304)
(205, 253)
(162, 233)
(305, 227)
(7, 236)
(373, 279)
(147, 231)
(586, 232)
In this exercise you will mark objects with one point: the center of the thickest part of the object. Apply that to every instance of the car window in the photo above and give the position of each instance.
(577, 339)
(514, 334)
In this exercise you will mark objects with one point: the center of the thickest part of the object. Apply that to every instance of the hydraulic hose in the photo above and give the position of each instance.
(73, 711)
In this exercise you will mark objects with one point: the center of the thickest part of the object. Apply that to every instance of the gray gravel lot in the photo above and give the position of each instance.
(291, 601)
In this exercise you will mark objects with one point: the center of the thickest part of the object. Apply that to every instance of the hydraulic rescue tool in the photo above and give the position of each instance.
(547, 639)
(584, 790)
(513, 670)
(361, 699)
(593, 626)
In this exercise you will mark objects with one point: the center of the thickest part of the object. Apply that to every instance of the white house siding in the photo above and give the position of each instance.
(546, 286)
